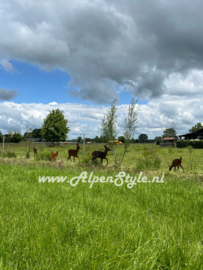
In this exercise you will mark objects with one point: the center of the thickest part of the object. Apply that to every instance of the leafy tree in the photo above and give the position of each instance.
(36, 133)
(55, 128)
(158, 139)
(108, 126)
(79, 139)
(109, 122)
(16, 137)
(121, 139)
(170, 132)
(143, 137)
(196, 127)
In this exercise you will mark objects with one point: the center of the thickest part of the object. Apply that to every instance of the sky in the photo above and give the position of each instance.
(79, 56)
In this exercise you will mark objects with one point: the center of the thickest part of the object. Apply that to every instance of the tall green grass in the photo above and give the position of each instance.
(57, 226)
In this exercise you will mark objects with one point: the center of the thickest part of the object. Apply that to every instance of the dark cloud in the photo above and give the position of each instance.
(134, 44)
(7, 94)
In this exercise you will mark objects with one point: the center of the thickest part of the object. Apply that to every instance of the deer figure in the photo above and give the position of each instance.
(176, 163)
(102, 155)
(53, 155)
(35, 151)
(73, 153)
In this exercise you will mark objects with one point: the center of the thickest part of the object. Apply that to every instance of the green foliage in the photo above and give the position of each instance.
(170, 132)
(148, 160)
(8, 153)
(16, 137)
(43, 155)
(121, 139)
(108, 123)
(196, 127)
(36, 133)
(79, 139)
(143, 137)
(186, 143)
(158, 139)
(55, 127)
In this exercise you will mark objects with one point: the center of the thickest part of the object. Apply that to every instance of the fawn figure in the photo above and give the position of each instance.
(176, 163)
(53, 155)
(73, 153)
(102, 155)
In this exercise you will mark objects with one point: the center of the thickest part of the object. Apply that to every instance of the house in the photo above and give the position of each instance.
(168, 142)
(193, 135)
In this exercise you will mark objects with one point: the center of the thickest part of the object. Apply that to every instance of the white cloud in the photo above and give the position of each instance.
(153, 117)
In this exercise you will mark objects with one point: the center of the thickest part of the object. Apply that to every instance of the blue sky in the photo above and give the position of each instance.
(85, 55)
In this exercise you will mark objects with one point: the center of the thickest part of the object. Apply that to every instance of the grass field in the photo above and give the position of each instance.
(59, 226)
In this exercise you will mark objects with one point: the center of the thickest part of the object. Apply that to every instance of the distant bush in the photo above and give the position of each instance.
(186, 143)
(44, 155)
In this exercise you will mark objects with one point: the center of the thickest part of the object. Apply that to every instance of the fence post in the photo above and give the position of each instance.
(3, 143)
(83, 144)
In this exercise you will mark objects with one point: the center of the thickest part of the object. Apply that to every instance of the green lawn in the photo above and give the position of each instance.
(59, 226)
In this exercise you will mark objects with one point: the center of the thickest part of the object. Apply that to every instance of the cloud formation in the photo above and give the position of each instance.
(7, 94)
(137, 45)
(153, 118)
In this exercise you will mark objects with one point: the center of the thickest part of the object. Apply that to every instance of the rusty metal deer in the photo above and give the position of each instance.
(176, 163)
(35, 151)
(73, 153)
(53, 155)
(102, 155)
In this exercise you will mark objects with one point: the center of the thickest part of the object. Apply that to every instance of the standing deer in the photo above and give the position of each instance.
(53, 156)
(176, 163)
(73, 153)
(102, 155)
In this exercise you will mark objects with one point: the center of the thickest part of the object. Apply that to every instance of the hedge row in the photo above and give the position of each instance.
(184, 143)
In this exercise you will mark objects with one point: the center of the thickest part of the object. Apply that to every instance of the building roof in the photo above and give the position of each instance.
(169, 139)
(200, 131)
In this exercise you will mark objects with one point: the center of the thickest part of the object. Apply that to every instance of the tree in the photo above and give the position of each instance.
(36, 133)
(158, 139)
(109, 123)
(121, 139)
(79, 139)
(16, 137)
(143, 137)
(170, 132)
(196, 127)
(55, 128)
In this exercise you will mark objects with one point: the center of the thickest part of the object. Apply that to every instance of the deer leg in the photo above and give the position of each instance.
(107, 161)
(182, 167)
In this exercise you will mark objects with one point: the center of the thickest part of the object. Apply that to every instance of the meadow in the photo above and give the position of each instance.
(54, 225)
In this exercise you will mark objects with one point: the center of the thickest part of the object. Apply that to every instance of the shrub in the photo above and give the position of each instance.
(8, 153)
(44, 155)
(186, 143)
(149, 160)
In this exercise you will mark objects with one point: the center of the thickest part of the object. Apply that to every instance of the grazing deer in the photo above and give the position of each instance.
(102, 155)
(53, 156)
(176, 163)
(73, 153)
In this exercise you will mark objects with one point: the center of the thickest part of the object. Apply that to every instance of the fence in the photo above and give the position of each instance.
(167, 144)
